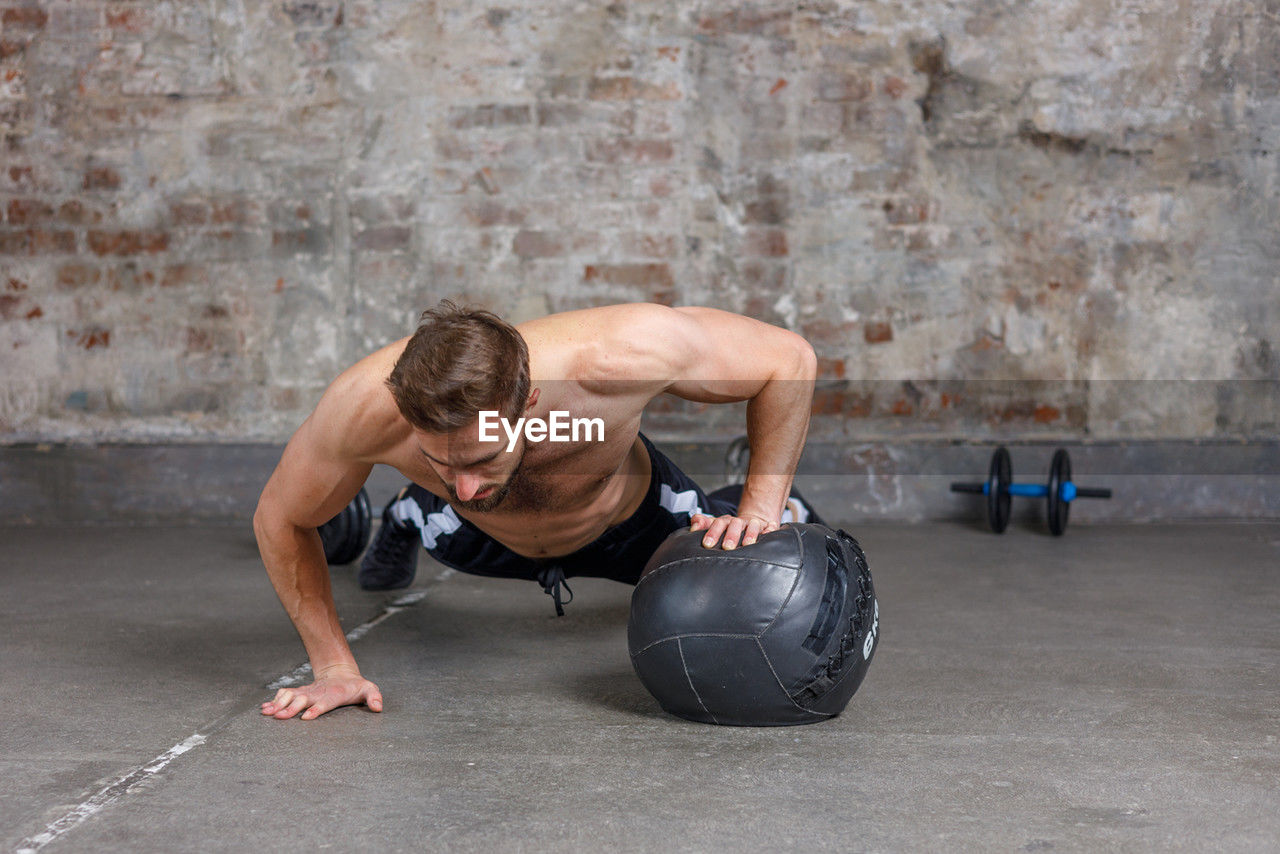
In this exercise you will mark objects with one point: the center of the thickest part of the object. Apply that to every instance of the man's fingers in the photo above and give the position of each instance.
(278, 702)
(299, 703)
(373, 699)
(317, 709)
(733, 533)
(715, 530)
(700, 521)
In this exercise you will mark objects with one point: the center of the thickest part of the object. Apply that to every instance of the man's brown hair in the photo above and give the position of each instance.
(458, 362)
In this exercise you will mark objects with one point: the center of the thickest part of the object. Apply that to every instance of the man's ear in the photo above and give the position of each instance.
(533, 399)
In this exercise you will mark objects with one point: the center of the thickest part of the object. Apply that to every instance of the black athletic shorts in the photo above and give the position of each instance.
(620, 553)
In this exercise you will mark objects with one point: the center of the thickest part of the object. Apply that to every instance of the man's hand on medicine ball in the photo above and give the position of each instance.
(729, 532)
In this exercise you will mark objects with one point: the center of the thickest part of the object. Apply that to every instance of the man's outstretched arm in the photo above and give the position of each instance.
(715, 356)
(310, 485)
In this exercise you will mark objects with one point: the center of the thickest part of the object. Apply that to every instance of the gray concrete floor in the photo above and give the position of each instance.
(1115, 689)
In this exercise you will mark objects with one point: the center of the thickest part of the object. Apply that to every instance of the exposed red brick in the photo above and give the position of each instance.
(24, 17)
(22, 176)
(876, 332)
(768, 211)
(537, 244)
(895, 87)
(749, 21)
(490, 115)
(94, 336)
(10, 49)
(34, 313)
(130, 20)
(630, 151)
(560, 115)
(631, 89)
(17, 284)
(183, 274)
(77, 275)
(649, 245)
(902, 407)
(827, 402)
(831, 368)
(102, 178)
(766, 277)
(766, 242)
(28, 211)
(671, 53)
(778, 87)
(9, 306)
(74, 212)
(129, 277)
(1045, 414)
(199, 340)
(189, 213)
(485, 214)
(657, 276)
(127, 242)
(825, 331)
(36, 241)
(234, 212)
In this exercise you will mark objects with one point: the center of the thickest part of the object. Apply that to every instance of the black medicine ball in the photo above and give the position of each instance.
(779, 632)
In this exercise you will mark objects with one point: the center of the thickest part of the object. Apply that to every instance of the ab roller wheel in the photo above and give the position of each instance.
(1058, 493)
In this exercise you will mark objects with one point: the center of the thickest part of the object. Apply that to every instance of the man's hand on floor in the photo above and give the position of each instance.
(334, 687)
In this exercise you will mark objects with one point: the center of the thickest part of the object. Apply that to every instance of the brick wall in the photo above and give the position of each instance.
(1041, 219)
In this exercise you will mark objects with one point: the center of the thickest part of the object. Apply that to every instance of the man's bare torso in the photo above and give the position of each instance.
(565, 495)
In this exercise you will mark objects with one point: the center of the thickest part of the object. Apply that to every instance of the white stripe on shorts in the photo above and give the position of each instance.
(432, 526)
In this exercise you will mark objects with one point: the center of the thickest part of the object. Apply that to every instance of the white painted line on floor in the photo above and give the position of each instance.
(121, 787)
(302, 672)
(107, 796)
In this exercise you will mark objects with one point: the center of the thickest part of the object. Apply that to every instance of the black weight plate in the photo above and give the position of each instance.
(346, 535)
(333, 533)
(364, 518)
(1059, 473)
(999, 476)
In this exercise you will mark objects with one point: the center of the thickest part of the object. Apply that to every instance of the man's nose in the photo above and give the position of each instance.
(467, 485)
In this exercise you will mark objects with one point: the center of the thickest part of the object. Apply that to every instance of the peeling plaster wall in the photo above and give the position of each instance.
(991, 219)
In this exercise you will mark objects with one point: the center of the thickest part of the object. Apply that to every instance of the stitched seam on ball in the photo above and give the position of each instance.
(778, 679)
(677, 638)
(685, 667)
(675, 563)
(795, 582)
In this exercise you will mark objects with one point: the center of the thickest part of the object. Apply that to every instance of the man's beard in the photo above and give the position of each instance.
(489, 502)
(480, 505)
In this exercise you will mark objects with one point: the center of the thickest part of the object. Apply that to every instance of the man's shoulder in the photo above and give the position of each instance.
(606, 320)
(357, 414)
(617, 349)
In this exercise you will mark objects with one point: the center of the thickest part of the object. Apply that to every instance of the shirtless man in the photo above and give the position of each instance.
(544, 510)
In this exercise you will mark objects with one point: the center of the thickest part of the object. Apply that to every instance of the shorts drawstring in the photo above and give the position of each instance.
(551, 579)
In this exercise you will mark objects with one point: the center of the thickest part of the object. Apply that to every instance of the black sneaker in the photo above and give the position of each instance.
(392, 561)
